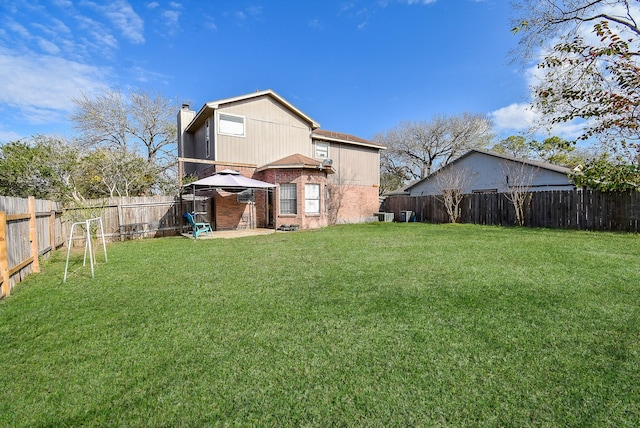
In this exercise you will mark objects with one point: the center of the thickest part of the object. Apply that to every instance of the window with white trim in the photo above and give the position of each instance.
(230, 124)
(312, 198)
(288, 198)
(322, 150)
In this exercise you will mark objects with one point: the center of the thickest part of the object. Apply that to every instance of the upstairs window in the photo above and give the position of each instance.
(229, 124)
(288, 198)
(322, 150)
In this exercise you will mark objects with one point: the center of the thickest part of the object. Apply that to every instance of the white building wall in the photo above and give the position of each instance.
(488, 173)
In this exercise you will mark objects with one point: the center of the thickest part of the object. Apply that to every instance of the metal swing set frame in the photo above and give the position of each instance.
(87, 244)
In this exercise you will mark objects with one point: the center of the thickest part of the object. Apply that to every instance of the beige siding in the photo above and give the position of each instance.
(354, 165)
(195, 146)
(199, 148)
(272, 132)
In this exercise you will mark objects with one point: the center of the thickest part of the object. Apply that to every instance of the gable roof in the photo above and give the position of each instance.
(340, 137)
(539, 164)
(297, 161)
(210, 106)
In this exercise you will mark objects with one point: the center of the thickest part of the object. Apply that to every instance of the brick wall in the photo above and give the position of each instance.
(353, 204)
(231, 214)
(299, 177)
(346, 203)
(212, 169)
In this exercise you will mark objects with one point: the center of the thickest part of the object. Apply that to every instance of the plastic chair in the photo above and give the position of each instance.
(198, 228)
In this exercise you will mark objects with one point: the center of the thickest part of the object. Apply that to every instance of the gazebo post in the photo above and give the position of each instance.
(180, 214)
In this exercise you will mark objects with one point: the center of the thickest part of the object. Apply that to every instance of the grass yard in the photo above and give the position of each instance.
(382, 324)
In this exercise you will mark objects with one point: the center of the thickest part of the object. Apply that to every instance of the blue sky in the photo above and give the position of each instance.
(354, 66)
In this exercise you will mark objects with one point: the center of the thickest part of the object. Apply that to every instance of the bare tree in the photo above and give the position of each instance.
(451, 184)
(541, 22)
(138, 121)
(518, 178)
(414, 149)
(153, 124)
(102, 120)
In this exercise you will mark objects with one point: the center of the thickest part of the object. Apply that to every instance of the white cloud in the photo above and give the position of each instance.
(210, 23)
(18, 29)
(124, 17)
(254, 11)
(63, 3)
(100, 39)
(48, 47)
(516, 117)
(410, 2)
(522, 118)
(171, 18)
(9, 135)
(39, 88)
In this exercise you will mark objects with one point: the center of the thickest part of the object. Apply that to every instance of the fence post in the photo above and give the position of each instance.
(4, 262)
(33, 238)
(52, 226)
(120, 229)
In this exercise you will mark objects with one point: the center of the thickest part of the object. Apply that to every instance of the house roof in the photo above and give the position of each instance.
(538, 164)
(297, 161)
(321, 134)
(210, 106)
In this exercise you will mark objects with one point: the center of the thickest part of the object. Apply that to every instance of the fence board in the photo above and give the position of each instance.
(577, 209)
(129, 217)
(29, 229)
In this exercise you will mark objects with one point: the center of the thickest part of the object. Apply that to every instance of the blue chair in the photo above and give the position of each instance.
(198, 228)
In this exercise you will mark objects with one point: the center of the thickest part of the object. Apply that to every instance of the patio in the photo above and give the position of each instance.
(230, 234)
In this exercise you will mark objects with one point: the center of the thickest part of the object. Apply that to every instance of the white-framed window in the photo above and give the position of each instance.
(312, 198)
(230, 124)
(207, 144)
(288, 198)
(322, 150)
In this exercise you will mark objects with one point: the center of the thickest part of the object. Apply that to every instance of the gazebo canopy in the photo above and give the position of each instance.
(229, 180)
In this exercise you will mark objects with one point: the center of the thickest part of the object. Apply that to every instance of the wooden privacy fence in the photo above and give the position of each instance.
(29, 228)
(576, 209)
(130, 217)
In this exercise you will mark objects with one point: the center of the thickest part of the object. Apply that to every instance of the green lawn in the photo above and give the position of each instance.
(382, 324)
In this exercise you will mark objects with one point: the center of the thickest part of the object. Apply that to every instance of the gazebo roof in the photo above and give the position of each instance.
(227, 179)
(298, 161)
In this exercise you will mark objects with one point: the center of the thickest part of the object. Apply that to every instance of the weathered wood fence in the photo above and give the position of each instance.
(578, 209)
(130, 218)
(29, 229)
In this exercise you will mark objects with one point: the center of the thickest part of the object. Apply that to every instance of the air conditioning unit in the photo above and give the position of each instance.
(385, 217)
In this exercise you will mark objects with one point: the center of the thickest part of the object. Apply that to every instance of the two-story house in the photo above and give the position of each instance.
(321, 177)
